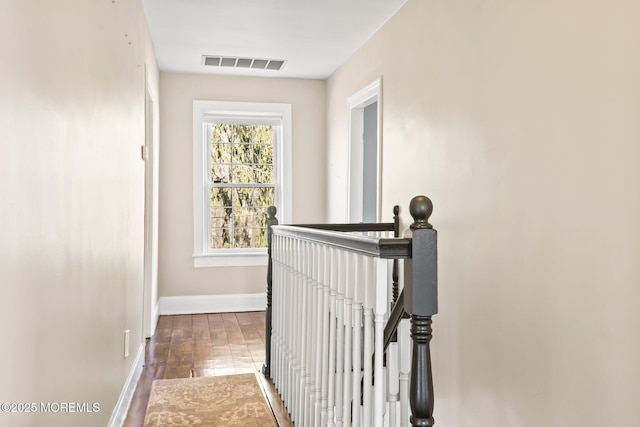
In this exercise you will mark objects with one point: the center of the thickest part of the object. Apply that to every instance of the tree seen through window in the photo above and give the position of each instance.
(242, 184)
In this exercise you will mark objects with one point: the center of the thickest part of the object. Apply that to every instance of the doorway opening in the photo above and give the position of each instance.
(365, 136)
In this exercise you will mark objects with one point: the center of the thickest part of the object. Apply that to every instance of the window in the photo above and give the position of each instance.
(241, 157)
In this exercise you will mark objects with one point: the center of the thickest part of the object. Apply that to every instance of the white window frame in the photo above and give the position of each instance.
(202, 111)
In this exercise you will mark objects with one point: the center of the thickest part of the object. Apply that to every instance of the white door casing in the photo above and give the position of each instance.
(150, 156)
(367, 96)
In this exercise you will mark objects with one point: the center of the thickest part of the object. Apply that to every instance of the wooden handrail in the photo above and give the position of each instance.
(355, 227)
(386, 248)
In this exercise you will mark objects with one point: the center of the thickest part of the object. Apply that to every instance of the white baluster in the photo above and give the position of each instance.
(319, 343)
(285, 323)
(309, 313)
(367, 398)
(348, 331)
(293, 312)
(340, 337)
(381, 283)
(291, 325)
(356, 354)
(274, 305)
(302, 332)
(283, 313)
(302, 335)
(392, 383)
(279, 311)
(295, 337)
(367, 410)
(295, 327)
(324, 384)
(332, 339)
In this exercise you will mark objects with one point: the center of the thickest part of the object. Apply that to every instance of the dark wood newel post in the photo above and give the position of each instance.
(421, 302)
(271, 221)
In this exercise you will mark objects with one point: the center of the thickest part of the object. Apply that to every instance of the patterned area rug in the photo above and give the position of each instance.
(233, 400)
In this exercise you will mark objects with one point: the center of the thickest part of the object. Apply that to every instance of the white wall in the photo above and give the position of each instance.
(72, 87)
(177, 275)
(521, 121)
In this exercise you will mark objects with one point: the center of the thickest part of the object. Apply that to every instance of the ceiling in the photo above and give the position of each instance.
(313, 37)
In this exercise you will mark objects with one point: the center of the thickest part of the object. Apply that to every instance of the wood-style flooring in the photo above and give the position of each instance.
(204, 345)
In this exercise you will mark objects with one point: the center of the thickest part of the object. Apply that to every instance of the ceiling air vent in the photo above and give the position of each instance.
(233, 62)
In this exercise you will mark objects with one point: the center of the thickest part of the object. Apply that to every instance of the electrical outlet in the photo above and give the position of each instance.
(126, 343)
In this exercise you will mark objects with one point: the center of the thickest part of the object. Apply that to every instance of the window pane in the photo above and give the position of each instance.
(264, 196)
(220, 238)
(220, 196)
(221, 133)
(249, 174)
(220, 173)
(220, 217)
(257, 197)
(248, 157)
(235, 212)
(243, 174)
(242, 153)
(242, 237)
(243, 133)
(263, 174)
(220, 227)
(263, 134)
(260, 237)
(260, 217)
(241, 196)
(220, 153)
(243, 217)
(262, 153)
(250, 217)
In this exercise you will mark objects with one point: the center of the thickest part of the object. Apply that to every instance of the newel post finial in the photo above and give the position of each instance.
(271, 220)
(421, 209)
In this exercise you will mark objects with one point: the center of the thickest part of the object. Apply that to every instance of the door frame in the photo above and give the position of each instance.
(150, 157)
(356, 104)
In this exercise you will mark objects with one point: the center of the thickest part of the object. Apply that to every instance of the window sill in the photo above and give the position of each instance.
(231, 259)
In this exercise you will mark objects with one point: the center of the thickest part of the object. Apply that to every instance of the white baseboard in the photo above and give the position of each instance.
(212, 303)
(120, 411)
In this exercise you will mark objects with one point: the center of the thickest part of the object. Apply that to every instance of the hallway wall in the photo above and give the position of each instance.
(520, 121)
(72, 99)
(177, 275)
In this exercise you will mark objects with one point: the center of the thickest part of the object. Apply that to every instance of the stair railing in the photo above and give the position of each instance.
(379, 229)
(328, 299)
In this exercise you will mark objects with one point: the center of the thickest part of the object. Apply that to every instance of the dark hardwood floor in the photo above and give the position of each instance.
(204, 345)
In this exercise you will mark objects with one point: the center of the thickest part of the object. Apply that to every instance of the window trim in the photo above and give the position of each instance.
(202, 111)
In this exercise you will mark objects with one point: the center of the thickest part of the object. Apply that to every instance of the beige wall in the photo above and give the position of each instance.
(71, 202)
(177, 276)
(521, 121)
